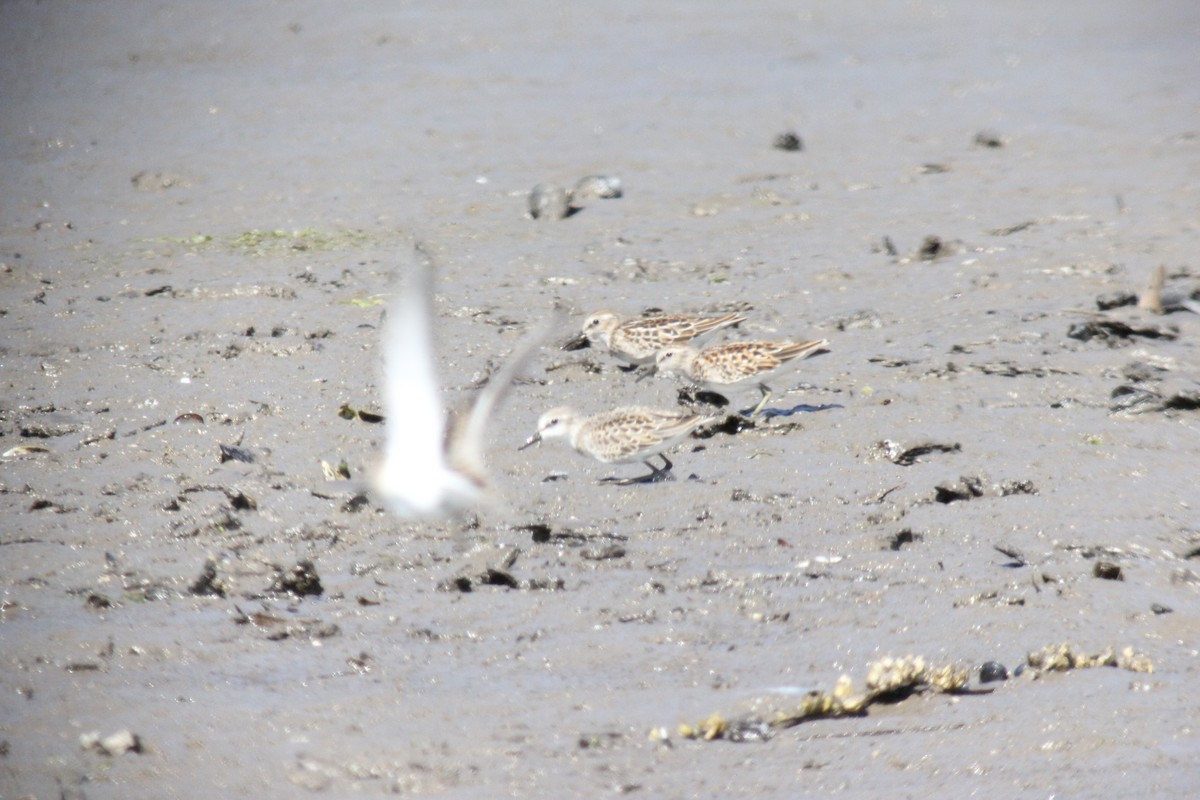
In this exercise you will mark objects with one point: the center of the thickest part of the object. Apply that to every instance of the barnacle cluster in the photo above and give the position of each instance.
(742, 729)
(890, 676)
(1063, 657)
(950, 678)
(887, 679)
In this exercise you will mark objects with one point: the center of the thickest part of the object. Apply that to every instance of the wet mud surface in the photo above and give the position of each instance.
(998, 454)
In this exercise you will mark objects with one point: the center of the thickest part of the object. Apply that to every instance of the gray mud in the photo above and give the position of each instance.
(202, 206)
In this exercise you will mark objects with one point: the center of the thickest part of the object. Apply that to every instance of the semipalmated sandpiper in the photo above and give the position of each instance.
(723, 365)
(621, 436)
(636, 341)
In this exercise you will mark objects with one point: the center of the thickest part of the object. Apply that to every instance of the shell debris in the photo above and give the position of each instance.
(888, 680)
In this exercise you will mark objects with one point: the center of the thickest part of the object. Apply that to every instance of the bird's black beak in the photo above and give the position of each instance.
(578, 343)
(531, 441)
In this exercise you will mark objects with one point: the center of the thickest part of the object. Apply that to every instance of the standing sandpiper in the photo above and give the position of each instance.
(621, 436)
(637, 340)
(723, 365)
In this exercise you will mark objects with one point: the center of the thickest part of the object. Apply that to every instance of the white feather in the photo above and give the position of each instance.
(415, 478)
(425, 472)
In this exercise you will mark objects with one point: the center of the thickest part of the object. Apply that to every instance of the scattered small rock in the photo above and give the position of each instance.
(986, 138)
(1185, 576)
(866, 319)
(888, 362)
(231, 452)
(992, 671)
(1115, 331)
(788, 141)
(1009, 230)
(605, 187)
(1018, 558)
(540, 533)
(1142, 372)
(1107, 570)
(116, 744)
(1116, 300)
(136, 586)
(931, 248)
(1130, 400)
(497, 577)
(97, 601)
(147, 181)
(208, 583)
(346, 412)
(990, 596)
(1006, 488)
(1159, 609)
(300, 580)
(279, 628)
(600, 741)
(547, 201)
(731, 426)
(1187, 400)
(897, 540)
(688, 396)
(965, 488)
(1010, 369)
(494, 567)
(356, 503)
(611, 551)
(907, 455)
(241, 502)
(748, 730)
(48, 428)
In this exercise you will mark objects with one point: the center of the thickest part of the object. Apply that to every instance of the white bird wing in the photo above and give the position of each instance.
(414, 470)
(467, 435)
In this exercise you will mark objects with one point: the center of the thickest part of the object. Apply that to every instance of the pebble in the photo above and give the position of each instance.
(992, 671)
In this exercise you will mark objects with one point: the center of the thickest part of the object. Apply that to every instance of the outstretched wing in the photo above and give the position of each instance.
(469, 429)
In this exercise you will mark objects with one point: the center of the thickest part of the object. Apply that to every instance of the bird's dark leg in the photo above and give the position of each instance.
(656, 474)
(766, 395)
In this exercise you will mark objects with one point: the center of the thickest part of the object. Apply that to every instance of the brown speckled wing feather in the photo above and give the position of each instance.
(739, 360)
(668, 329)
(629, 431)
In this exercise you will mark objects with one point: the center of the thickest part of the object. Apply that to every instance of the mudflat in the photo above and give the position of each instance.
(203, 207)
